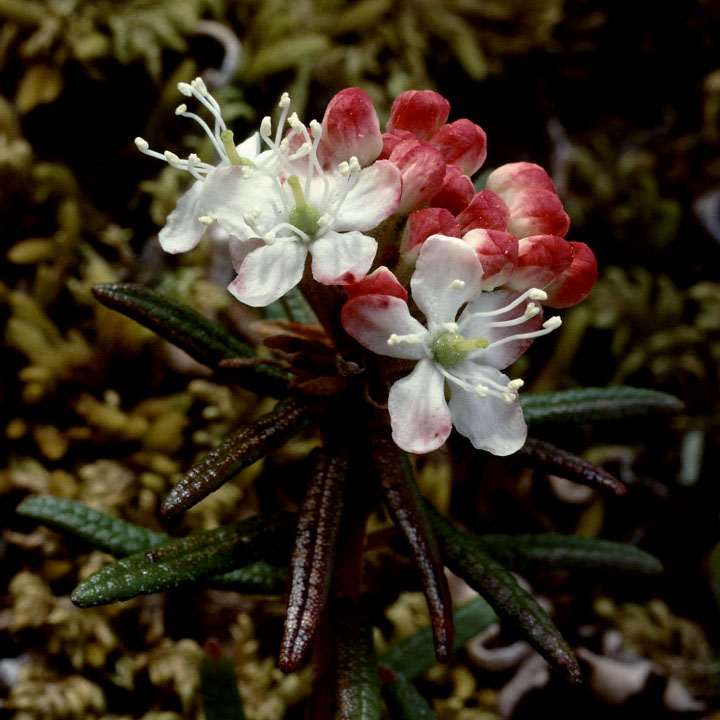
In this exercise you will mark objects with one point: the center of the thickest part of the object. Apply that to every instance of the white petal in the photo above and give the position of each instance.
(228, 196)
(447, 275)
(488, 422)
(240, 249)
(503, 355)
(373, 319)
(249, 148)
(419, 414)
(267, 273)
(182, 231)
(342, 258)
(374, 197)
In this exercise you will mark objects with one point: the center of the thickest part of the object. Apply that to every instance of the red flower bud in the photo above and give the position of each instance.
(455, 192)
(423, 170)
(498, 253)
(534, 211)
(350, 127)
(486, 210)
(541, 260)
(462, 143)
(577, 281)
(509, 179)
(421, 112)
(421, 224)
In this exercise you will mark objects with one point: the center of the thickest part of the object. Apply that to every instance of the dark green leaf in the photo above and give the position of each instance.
(551, 459)
(186, 561)
(552, 551)
(102, 531)
(291, 306)
(358, 686)
(218, 686)
(405, 503)
(484, 574)
(611, 403)
(121, 538)
(415, 654)
(312, 560)
(202, 339)
(240, 450)
(404, 702)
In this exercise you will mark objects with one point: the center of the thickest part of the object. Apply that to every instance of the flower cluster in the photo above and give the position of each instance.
(479, 264)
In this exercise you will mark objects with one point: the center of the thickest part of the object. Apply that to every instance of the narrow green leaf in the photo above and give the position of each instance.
(484, 574)
(312, 560)
(186, 561)
(553, 551)
(202, 339)
(405, 503)
(404, 702)
(611, 403)
(358, 685)
(240, 450)
(219, 686)
(552, 459)
(414, 655)
(291, 306)
(121, 538)
(102, 531)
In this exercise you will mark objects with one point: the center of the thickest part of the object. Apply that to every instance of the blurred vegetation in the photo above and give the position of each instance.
(94, 408)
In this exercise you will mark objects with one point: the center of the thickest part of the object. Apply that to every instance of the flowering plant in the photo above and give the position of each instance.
(345, 220)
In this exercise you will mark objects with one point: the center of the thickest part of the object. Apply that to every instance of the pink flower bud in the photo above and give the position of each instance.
(509, 179)
(541, 260)
(534, 211)
(421, 224)
(462, 143)
(577, 281)
(486, 210)
(421, 112)
(498, 253)
(350, 127)
(423, 170)
(455, 192)
(392, 139)
(378, 282)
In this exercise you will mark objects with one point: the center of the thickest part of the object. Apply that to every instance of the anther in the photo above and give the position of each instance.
(185, 89)
(199, 84)
(171, 156)
(508, 397)
(284, 145)
(451, 327)
(552, 323)
(481, 390)
(180, 109)
(284, 100)
(531, 310)
(266, 126)
(315, 128)
(269, 237)
(344, 168)
(205, 220)
(354, 164)
(515, 384)
(537, 294)
(457, 284)
(324, 220)
(141, 144)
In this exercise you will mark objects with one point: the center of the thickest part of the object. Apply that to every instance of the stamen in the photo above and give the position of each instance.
(181, 109)
(284, 101)
(457, 284)
(515, 384)
(548, 327)
(553, 322)
(185, 89)
(316, 129)
(205, 220)
(266, 128)
(532, 293)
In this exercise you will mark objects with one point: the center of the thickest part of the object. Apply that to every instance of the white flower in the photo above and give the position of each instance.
(279, 204)
(466, 352)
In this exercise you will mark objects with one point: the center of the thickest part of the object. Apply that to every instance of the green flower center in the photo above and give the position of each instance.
(303, 216)
(450, 349)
